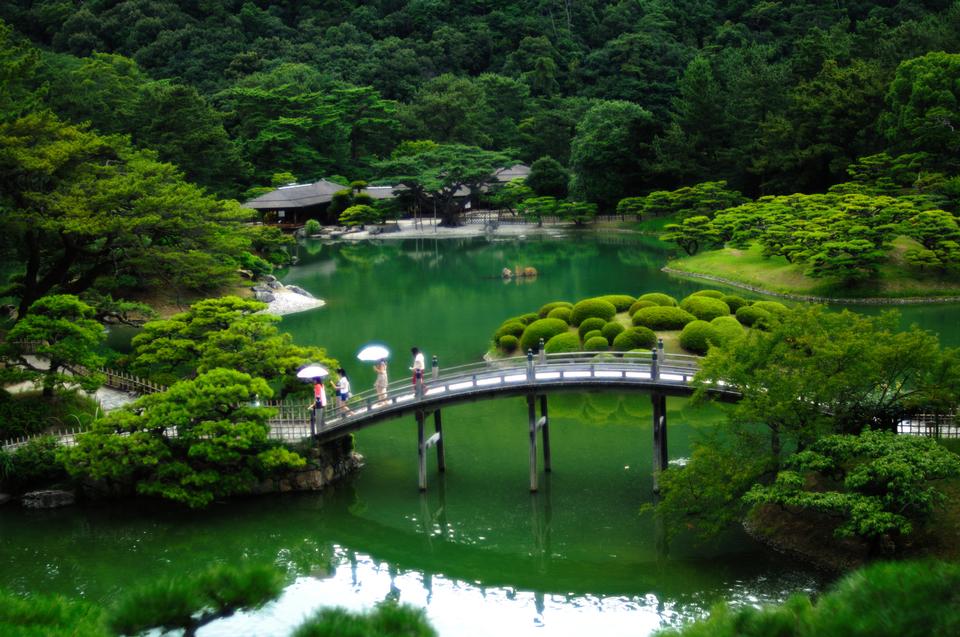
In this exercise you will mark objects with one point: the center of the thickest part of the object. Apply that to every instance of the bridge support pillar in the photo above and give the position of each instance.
(545, 432)
(532, 417)
(421, 453)
(660, 455)
(438, 425)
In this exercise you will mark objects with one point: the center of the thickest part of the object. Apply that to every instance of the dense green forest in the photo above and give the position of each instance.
(631, 95)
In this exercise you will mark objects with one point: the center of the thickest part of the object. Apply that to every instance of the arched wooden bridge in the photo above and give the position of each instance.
(660, 375)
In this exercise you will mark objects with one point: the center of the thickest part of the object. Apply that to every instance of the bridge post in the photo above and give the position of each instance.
(543, 354)
(438, 425)
(421, 453)
(654, 366)
(660, 455)
(532, 417)
(435, 366)
(530, 374)
(545, 433)
(660, 350)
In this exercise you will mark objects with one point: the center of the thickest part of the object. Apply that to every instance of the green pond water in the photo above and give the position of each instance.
(479, 552)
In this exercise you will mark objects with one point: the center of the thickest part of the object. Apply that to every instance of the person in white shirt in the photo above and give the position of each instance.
(418, 366)
(343, 391)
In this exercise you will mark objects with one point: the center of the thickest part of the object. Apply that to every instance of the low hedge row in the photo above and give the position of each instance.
(549, 307)
(592, 308)
(543, 328)
(635, 338)
(611, 329)
(590, 324)
(662, 318)
(698, 336)
(705, 308)
(659, 298)
(562, 313)
(596, 344)
(562, 343)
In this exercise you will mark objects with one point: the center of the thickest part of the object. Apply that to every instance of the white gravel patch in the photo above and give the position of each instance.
(287, 302)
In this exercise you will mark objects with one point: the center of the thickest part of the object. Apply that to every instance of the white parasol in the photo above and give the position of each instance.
(312, 371)
(372, 353)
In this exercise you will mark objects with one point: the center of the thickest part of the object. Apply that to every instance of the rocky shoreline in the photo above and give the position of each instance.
(284, 299)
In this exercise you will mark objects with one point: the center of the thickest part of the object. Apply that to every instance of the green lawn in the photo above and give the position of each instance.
(748, 267)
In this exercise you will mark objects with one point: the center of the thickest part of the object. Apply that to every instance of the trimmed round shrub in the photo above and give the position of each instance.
(639, 305)
(549, 307)
(562, 313)
(734, 302)
(751, 315)
(611, 329)
(634, 338)
(592, 308)
(697, 337)
(590, 324)
(562, 343)
(662, 318)
(596, 344)
(728, 329)
(659, 298)
(775, 308)
(509, 343)
(511, 328)
(705, 308)
(592, 334)
(713, 294)
(620, 301)
(528, 318)
(544, 328)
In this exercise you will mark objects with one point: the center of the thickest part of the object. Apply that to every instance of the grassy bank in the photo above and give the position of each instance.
(896, 278)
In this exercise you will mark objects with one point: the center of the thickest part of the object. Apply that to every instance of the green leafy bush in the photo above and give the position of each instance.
(35, 465)
(562, 313)
(662, 318)
(544, 328)
(774, 307)
(562, 343)
(592, 308)
(596, 344)
(713, 294)
(705, 308)
(549, 307)
(697, 337)
(311, 227)
(590, 324)
(635, 338)
(510, 328)
(611, 329)
(528, 318)
(41, 615)
(659, 298)
(728, 329)
(620, 301)
(386, 620)
(508, 343)
(751, 315)
(592, 334)
(639, 305)
(734, 302)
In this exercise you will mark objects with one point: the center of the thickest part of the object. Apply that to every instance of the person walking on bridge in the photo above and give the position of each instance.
(343, 392)
(418, 366)
(381, 383)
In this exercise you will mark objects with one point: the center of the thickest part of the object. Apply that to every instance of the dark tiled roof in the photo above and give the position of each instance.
(297, 195)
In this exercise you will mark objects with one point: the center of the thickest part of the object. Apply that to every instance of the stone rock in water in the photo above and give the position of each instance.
(264, 296)
(49, 499)
(296, 289)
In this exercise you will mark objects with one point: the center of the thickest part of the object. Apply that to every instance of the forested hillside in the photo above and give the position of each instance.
(632, 95)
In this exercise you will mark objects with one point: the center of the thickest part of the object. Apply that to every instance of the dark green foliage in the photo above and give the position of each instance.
(35, 465)
(27, 413)
(754, 316)
(596, 344)
(705, 308)
(188, 602)
(620, 301)
(562, 313)
(548, 307)
(734, 302)
(713, 294)
(541, 329)
(611, 329)
(548, 178)
(511, 328)
(662, 318)
(640, 305)
(386, 620)
(360, 215)
(590, 324)
(50, 616)
(727, 328)
(562, 343)
(508, 343)
(593, 308)
(658, 298)
(635, 338)
(698, 336)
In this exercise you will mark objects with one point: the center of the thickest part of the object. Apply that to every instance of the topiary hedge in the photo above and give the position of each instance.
(592, 308)
(697, 337)
(751, 315)
(640, 305)
(549, 307)
(734, 302)
(596, 344)
(775, 308)
(562, 343)
(713, 294)
(728, 329)
(589, 324)
(511, 327)
(705, 308)
(620, 301)
(663, 318)
(611, 329)
(508, 343)
(659, 298)
(591, 334)
(562, 313)
(634, 338)
(528, 318)
(544, 328)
